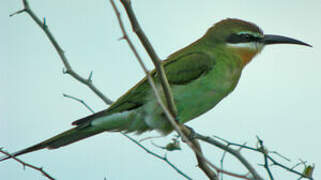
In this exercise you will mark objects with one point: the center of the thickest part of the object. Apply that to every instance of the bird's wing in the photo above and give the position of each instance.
(179, 71)
(188, 67)
(132, 99)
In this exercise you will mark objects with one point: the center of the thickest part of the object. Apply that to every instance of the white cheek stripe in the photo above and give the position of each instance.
(249, 45)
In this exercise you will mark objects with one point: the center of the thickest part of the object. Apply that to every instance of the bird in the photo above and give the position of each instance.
(200, 75)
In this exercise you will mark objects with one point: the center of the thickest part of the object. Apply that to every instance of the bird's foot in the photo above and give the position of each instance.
(188, 131)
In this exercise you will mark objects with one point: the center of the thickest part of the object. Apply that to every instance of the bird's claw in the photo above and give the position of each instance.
(189, 132)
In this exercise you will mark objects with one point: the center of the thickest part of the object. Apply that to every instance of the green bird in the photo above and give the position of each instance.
(200, 76)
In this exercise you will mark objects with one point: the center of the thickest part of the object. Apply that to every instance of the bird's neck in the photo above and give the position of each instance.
(245, 55)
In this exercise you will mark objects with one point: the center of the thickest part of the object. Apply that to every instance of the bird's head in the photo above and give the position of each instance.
(244, 38)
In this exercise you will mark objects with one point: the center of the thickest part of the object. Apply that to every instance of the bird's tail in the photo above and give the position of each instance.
(65, 138)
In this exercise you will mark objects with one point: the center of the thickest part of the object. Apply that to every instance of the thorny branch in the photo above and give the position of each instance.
(43, 25)
(24, 164)
(266, 162)
(261, 149)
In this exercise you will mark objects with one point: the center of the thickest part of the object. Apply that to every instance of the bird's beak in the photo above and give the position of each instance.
(276, 39)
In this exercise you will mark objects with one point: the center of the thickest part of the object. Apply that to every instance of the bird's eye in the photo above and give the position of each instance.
(241, 38)
(247, 37)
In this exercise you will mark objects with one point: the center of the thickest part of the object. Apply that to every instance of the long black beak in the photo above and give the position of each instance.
(275, 39)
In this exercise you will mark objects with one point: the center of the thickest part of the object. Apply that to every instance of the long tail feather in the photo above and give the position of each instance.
(65, 138)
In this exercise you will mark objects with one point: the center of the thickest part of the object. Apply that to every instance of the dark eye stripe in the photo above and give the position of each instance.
(242, 38)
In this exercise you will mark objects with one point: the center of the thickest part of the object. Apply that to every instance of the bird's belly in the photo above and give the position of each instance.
(191, 104)
(196, 99)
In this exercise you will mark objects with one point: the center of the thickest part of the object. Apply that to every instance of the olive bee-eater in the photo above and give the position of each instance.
(200, 76)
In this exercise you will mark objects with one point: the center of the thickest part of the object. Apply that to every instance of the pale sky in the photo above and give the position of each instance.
(278, 97)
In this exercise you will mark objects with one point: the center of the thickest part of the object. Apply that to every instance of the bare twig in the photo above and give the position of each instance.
(164, 158)
(80, 101)
(274, 162)
(265, 153)
(280, 155)
(222, 163)
(24, 164)
(232, 151)
(152, 54)
(43, 25)
(299, 163)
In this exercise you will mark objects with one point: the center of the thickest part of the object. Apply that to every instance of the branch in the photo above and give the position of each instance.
(24, 164)
(200, 157)
(80, 101)
(263, 150)
(164, 158)
(88, 82)
(260, 150)
(232, 151)
(152, 54)
(266, 162)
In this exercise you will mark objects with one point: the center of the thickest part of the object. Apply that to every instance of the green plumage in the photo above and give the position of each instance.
(200, 76)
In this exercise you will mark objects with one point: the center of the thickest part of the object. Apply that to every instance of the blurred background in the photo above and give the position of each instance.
(278, 97)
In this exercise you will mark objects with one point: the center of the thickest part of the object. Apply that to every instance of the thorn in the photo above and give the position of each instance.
(122, 38)
(18, 12)
(64, 71)
(259, 140)
(90, 76)
(280, 155)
